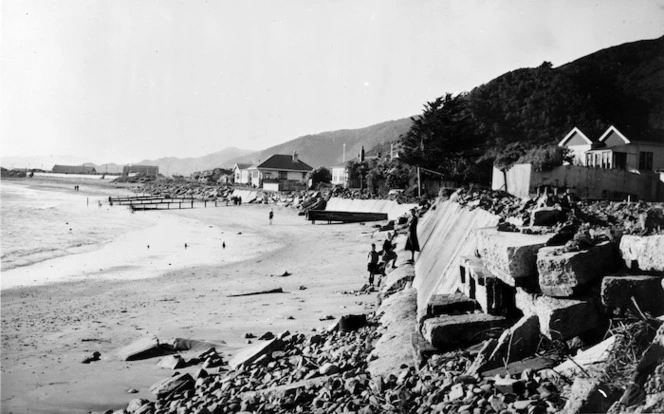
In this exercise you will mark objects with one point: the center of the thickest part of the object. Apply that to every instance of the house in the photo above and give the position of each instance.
(613, 150)
(147, 170)
(74, 169)
(339, 175)
(241, 173)
(280, 172)
(579, 143)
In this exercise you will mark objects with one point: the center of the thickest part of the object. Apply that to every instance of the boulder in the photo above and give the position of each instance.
(252, 353)
(562, 319)
(589, 395)
(510, 256)
(652, 220)
(546, 216)
(565, 274)
(449, 330)
(647, 291)
(643, 252)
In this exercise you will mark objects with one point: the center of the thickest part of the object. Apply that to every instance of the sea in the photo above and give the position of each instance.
(51, 233)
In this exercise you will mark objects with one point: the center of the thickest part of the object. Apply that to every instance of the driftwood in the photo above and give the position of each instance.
(262, 292)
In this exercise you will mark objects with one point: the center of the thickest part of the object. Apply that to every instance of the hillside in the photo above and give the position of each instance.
(186, 166)
(326, 148)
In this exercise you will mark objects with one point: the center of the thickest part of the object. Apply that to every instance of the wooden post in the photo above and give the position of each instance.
(192, 203)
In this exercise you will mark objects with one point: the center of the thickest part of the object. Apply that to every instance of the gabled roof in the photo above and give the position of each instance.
(284, 162)
(618, 133)
(574, 131)
(242, 165)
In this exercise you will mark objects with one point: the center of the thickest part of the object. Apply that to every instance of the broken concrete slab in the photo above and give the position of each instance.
(647, 291)
(174, 384)
(397, 280)
(288, 389)
(397, 316)
(589, 395)
(533, 364)
(510, 256)
(518, 342)
(546, 216)
(643, 252)
(422, 349)
(587, 360)
(526, 302)
(562, 319)
(493, 295)
(566, 274)
(252, 353)
(451, 303)
(448, 330)
(143, 348)
(172, 362)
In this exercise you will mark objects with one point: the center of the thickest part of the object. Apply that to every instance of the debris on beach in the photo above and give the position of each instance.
(96, 356)
(262, 292)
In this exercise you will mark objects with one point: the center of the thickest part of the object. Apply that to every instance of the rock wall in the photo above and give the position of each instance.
(446, 233)
(391, 207)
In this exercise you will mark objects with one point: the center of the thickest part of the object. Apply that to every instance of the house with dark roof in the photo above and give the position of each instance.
(613, 150)
(280, 172)
(74, 169)
(241, 173)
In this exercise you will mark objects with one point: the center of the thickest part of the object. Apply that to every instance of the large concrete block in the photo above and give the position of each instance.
(510, 256)
(565, 274)
(143, 348)
(589, 395)
(526, 302)
(451, 303)
(450, 330)
(643, 252)
(563, 319)
(647, 291)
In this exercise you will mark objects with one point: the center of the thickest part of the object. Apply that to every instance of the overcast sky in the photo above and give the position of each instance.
(125, 80)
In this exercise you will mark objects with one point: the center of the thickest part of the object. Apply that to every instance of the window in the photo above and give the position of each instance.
(645, 161)
(283, 175)
(620, 160)
(304, 176)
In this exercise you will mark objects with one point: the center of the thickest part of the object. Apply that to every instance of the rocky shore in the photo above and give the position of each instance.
(562, 317)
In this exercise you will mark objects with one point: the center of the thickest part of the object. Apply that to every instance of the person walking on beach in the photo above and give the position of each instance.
(372, 263)
(271, 215)
(412, 243)
(389, 255)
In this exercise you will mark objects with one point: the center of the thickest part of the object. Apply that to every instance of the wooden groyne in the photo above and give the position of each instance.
(344, 216)
(144, 203)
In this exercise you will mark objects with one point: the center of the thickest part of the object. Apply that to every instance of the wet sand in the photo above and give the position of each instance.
(47, 330)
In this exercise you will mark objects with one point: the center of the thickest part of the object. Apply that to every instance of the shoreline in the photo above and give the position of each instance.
(48, 330)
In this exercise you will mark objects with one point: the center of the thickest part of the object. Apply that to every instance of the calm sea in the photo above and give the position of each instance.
(38, 223)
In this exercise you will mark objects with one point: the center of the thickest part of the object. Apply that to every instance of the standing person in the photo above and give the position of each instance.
(271, 215)
(388, 251)
(372, 263)
(412, 243)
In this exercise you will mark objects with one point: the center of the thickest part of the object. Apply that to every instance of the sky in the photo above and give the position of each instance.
(125, 80)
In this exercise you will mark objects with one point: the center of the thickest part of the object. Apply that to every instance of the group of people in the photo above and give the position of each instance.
(376, 266)
(76, 188)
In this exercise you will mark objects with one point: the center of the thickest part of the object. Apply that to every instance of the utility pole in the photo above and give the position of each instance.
(344, 153)
(419, 183)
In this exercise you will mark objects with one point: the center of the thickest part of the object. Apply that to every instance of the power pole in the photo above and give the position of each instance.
(419, 183)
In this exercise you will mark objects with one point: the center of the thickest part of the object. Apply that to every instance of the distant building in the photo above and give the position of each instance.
(74, 169)
(147, 170)
(241, 173)
(339, 175)
(280, 172)
(613, 150)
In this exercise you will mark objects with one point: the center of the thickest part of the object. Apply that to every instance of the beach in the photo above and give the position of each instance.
(50, 325)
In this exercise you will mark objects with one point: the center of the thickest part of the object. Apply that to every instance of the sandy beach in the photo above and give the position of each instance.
(48, 329)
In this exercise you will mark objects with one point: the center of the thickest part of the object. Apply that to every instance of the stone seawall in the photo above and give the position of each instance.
(446, 233)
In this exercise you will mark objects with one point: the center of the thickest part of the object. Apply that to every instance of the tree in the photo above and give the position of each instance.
(443, 135)
(320, 175)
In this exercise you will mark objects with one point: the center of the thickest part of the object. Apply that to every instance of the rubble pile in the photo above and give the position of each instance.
(327, 372)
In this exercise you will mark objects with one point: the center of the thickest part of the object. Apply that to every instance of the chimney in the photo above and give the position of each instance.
(295, 156)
